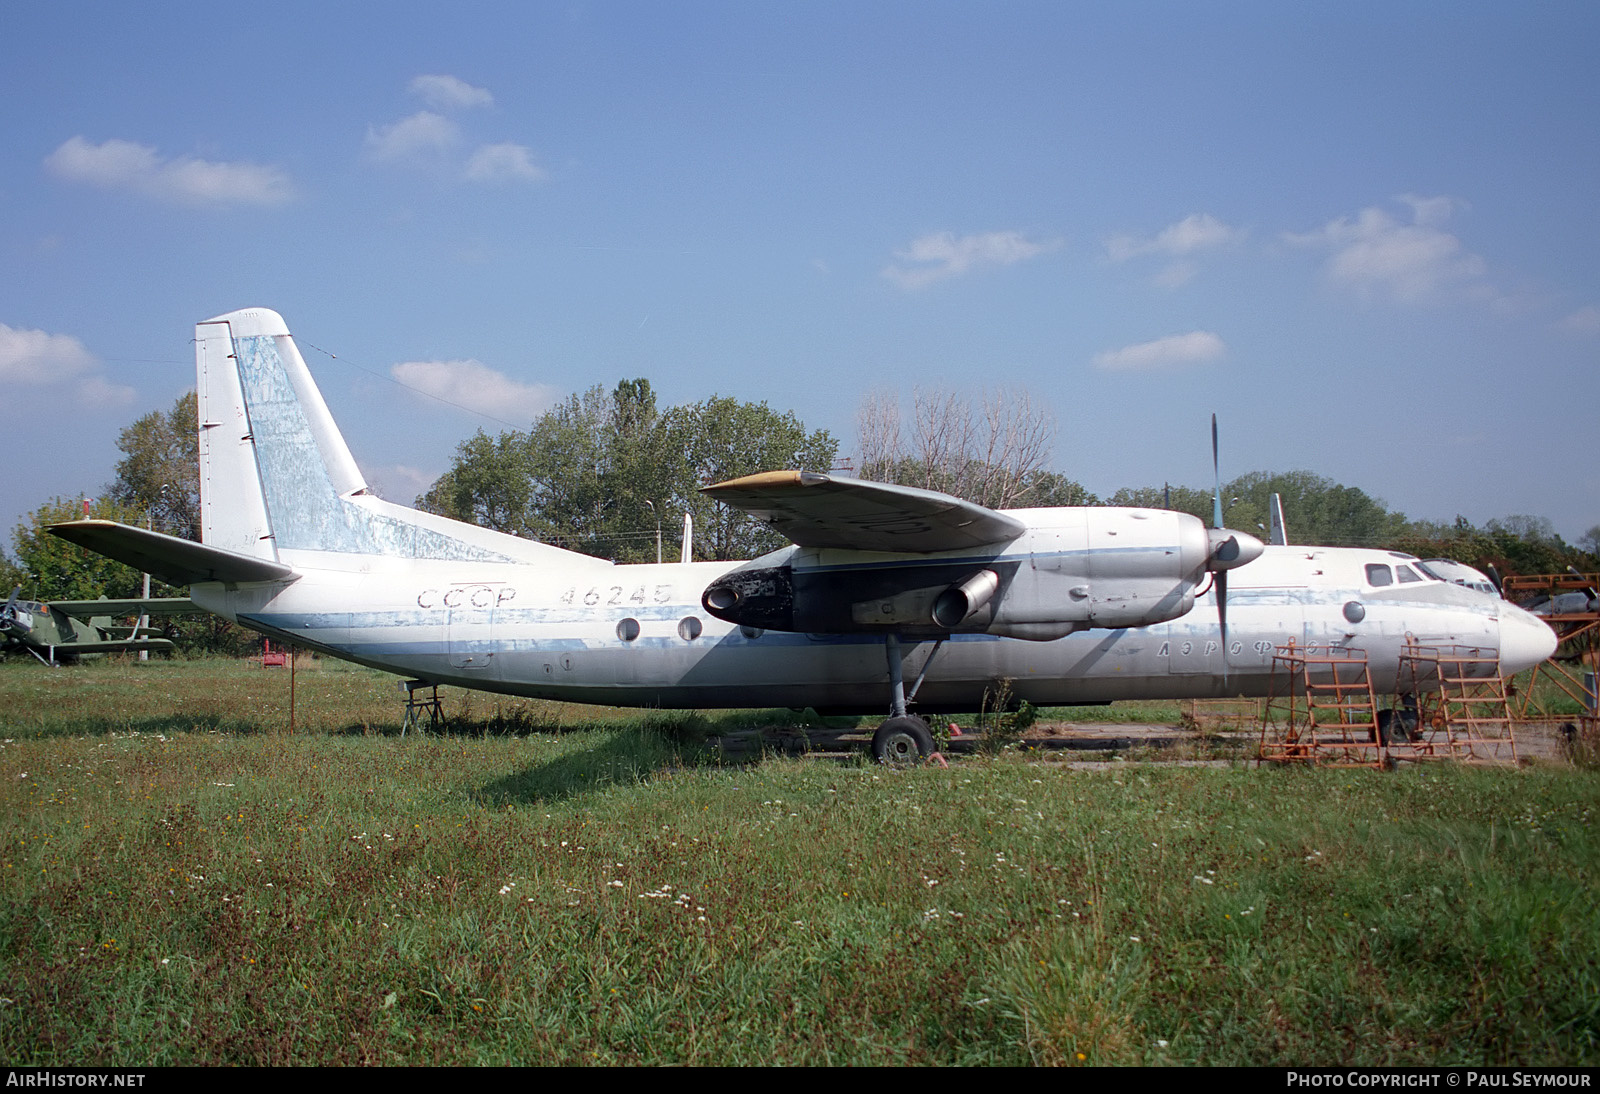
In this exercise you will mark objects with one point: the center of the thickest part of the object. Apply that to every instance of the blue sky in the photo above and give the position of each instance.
(1364, 234)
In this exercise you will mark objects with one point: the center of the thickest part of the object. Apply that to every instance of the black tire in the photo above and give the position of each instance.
(902, 741)
(1396, 726)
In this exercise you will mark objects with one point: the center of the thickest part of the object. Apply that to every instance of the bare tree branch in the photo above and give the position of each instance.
(995, 457)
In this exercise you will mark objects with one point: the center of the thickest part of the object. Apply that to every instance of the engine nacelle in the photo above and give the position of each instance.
(1074, 569)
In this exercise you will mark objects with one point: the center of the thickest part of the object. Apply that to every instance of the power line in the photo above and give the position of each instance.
(398, 383)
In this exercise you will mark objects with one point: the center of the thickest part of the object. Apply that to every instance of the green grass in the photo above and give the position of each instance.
(184, 882)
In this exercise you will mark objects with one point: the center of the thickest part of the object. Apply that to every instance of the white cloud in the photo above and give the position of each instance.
(35, 359)
(1586, 320)
(422, 134)
(398, 482)
(1175, 275)
(476, 387)
(95, 391)
(1376, 254)
(940, 255)
(1173, 350)
(1194, 233)
(450, 93)
(1197, 232)
(124, 165)
(495, 163)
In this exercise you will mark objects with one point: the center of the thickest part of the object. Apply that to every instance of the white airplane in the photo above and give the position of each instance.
(1069, 605)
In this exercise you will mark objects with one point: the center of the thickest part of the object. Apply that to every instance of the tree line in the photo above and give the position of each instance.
(605, 472)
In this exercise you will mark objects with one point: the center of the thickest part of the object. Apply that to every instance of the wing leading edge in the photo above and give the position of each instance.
(815, 510)
(160, 605)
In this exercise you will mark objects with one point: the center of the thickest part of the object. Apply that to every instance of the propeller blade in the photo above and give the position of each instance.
(8, 614)
(1221, 579)
(1216, 469)
(1580, 575)
(1229, 549)
(1494, 576)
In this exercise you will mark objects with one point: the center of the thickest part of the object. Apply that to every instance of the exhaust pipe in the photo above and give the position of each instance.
(957, 603)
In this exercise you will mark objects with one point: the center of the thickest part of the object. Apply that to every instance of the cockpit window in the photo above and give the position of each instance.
(1406, 574)
(1379, 574)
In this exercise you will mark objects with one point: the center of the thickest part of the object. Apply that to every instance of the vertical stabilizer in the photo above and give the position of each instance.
(233, 513)
(275, 473)
(261, 412)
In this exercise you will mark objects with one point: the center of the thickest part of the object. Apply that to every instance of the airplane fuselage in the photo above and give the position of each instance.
(637, 635)
(884, 585)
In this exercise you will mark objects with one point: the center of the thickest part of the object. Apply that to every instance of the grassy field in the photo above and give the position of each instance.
(185, 882)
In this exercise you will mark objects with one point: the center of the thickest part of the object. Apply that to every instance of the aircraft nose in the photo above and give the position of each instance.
(1525, 640)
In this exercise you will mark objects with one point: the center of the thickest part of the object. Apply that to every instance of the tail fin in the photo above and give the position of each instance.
(275, 474)
(272, 463)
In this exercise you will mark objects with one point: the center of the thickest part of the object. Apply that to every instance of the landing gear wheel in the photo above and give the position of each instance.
(903, 741)
(1396, 726)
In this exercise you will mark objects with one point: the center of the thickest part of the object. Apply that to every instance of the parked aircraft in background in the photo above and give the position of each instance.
(1459, 573)
(67, 630)
(1069, 605)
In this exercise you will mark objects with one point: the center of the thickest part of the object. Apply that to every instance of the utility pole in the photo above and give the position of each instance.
(651, 506)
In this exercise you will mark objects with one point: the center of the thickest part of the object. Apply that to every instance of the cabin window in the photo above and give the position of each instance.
(628, 629)
(1406, 574)
(1378, 574)
(689, 628)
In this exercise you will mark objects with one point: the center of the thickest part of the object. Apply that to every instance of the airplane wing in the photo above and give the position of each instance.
(112, 645)
(815, 510)
(173, 560)
(160, 605)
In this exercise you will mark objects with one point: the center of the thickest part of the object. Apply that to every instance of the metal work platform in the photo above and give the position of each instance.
(1562, 677)
(1461, 711)
(1321, 709)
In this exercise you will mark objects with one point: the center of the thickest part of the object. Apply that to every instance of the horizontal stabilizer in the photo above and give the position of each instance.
(815, 510)
(173, 560)
(116, 609)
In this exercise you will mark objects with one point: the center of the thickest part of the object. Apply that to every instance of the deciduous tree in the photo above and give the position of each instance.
(53, 569)
(994, 453)
(159, 475)
(721, 439)
(580, 477)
